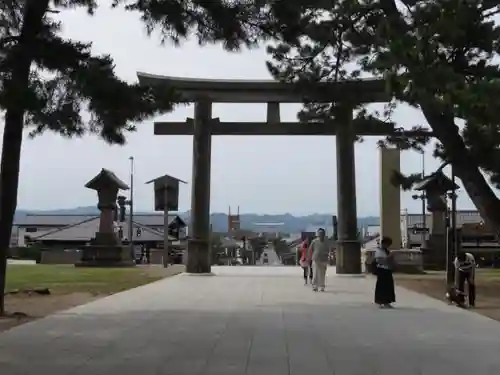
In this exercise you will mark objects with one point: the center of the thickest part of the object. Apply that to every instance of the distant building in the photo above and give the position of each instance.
(233, 221)
(314, 228)
(410, 222)
(269, 230)
(77, 229)
(371, 230)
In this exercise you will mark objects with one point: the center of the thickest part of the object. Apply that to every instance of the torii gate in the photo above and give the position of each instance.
(204, 92)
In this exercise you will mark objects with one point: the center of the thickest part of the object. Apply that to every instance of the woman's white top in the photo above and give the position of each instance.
(381, 259)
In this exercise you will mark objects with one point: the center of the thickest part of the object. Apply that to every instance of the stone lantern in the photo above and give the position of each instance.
(105, 249)
(436, 186)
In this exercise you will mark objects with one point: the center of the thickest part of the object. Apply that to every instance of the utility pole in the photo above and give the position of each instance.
(131, 212)
(451, 232)
(166, 244)
(454, 240)
(424, 208)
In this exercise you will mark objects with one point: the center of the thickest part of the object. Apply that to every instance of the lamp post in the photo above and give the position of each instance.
(131, 212)
(452, 251)
(424, 211)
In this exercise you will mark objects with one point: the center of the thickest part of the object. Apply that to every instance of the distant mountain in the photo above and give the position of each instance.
(86, 210)
(291, 223)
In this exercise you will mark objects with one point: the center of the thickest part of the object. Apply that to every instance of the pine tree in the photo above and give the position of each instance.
(440, 57)
(50, 83)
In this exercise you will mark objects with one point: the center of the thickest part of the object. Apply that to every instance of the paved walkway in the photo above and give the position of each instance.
(254, 320)
(272, 258)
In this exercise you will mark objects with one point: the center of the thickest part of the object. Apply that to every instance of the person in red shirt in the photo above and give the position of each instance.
(306, 261)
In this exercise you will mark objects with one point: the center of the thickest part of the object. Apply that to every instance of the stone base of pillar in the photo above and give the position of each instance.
(198, 256)
(348, 257)
(165, 258)
(105, 256)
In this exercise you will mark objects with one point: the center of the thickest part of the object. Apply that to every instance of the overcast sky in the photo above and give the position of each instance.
(262, 175)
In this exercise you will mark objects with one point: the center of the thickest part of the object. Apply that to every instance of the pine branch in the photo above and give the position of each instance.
(231, 22)
(405, 182)
(81, 83)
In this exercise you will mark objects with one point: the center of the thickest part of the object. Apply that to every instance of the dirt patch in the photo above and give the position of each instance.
(25, 307)
(433, 285)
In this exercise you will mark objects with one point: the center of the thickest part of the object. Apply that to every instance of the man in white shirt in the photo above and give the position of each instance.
(465, 270)
(320, 252)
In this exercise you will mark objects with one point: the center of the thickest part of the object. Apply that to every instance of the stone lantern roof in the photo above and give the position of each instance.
(104, 179)
(436, 181)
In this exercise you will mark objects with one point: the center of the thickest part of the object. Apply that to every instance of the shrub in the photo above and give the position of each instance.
(29, 253)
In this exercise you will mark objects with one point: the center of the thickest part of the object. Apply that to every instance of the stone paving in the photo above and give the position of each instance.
(272, 258)
(254, 320)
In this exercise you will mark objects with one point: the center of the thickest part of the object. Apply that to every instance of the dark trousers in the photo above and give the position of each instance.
(462, 278)
(308, 271)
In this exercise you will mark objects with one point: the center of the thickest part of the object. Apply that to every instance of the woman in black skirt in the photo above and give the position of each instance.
(384, 289)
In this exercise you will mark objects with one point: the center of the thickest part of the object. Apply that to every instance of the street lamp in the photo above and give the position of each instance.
(131, 212)
(424, 208)
(452, 251)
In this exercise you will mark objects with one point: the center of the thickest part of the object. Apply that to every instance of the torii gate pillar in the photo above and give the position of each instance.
(198, 252)
(348, 252)
(390, 197)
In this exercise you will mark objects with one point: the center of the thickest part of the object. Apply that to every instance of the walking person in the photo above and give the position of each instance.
(306, 261)
(320, 252)
(465, 271)
(384, 264)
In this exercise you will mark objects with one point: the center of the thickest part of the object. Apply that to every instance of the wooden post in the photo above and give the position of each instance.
(166, 256)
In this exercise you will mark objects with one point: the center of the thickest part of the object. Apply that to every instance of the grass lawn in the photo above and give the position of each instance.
(69, 286)
(61, 279)
(433, 284)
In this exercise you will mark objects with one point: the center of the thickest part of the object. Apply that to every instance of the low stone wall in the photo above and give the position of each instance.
(60, 256)
(406, 260)
(156, 256)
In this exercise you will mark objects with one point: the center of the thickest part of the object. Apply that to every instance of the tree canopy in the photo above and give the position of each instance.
(67, 80)
(440, 57)
(48, 82)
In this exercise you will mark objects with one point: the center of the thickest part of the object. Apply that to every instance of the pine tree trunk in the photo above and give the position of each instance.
(34, 10)
(464, 167)
(9, 181)
(480, 193)
(445, 130)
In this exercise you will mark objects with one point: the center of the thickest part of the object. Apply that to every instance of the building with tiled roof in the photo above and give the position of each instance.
(64, 228)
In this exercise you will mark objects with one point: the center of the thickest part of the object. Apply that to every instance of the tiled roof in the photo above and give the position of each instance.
(39, 220)
(36, 220)
(86, 230)
(106, 177)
